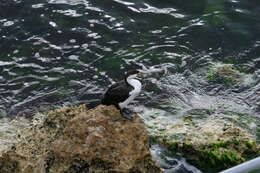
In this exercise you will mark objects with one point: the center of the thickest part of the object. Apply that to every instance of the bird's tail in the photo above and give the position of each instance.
(91, 100)
(92, 103)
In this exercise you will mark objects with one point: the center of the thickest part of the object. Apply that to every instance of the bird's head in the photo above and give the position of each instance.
(133, 74)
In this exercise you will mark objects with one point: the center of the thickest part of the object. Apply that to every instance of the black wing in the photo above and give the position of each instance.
(116, 93)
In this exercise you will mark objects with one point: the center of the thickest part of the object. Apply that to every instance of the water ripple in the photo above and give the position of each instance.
(72, 13)
(48, 44)
(70, 2)
(170, 11)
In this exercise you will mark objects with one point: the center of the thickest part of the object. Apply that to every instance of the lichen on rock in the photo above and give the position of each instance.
(77, 140)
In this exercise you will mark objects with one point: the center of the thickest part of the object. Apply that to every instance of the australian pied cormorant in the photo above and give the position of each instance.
(120, 94)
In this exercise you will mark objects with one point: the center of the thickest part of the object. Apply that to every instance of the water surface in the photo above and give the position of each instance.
(63, 46)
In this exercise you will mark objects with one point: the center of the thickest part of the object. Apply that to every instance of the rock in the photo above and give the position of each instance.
(77, 140)
(224, 74)
(9, 129)
(212, 144)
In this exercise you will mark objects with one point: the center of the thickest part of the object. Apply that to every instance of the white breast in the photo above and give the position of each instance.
(136, 84)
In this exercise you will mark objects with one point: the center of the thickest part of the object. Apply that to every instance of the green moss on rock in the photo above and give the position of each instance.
(211, 146)
(223, 74)
(220, 158)
(218, 155)
(153, 139)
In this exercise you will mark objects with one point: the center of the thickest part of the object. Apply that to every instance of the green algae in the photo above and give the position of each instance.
(216, 78)
(162, 129)
(153, 139)
(173, 146)
(218, 144)
(220, 158)
(223, 74)
(151, 127)
(218, 155)
(222, 155)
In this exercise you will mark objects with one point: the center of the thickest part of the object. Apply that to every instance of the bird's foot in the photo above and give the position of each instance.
(126, 113)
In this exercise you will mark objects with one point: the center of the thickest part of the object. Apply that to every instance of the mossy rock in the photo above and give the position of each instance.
(223, 74)
(216, 156)
(211, 146)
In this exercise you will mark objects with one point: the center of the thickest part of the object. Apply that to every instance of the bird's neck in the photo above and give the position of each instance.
(136, 84)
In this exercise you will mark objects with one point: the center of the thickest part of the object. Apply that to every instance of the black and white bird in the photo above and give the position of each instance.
(120, 94)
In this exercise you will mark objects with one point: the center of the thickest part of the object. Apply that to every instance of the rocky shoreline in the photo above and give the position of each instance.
(211, 141)
(78, 140)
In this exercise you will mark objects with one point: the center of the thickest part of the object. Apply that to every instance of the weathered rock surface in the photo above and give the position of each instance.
(77, 140)
(9, 129)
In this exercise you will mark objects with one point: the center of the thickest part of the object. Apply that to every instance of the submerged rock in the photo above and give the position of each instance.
(77, 140)
(224, 74)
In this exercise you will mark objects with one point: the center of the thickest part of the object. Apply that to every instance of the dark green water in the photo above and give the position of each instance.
(71, 47)
(62, 52)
